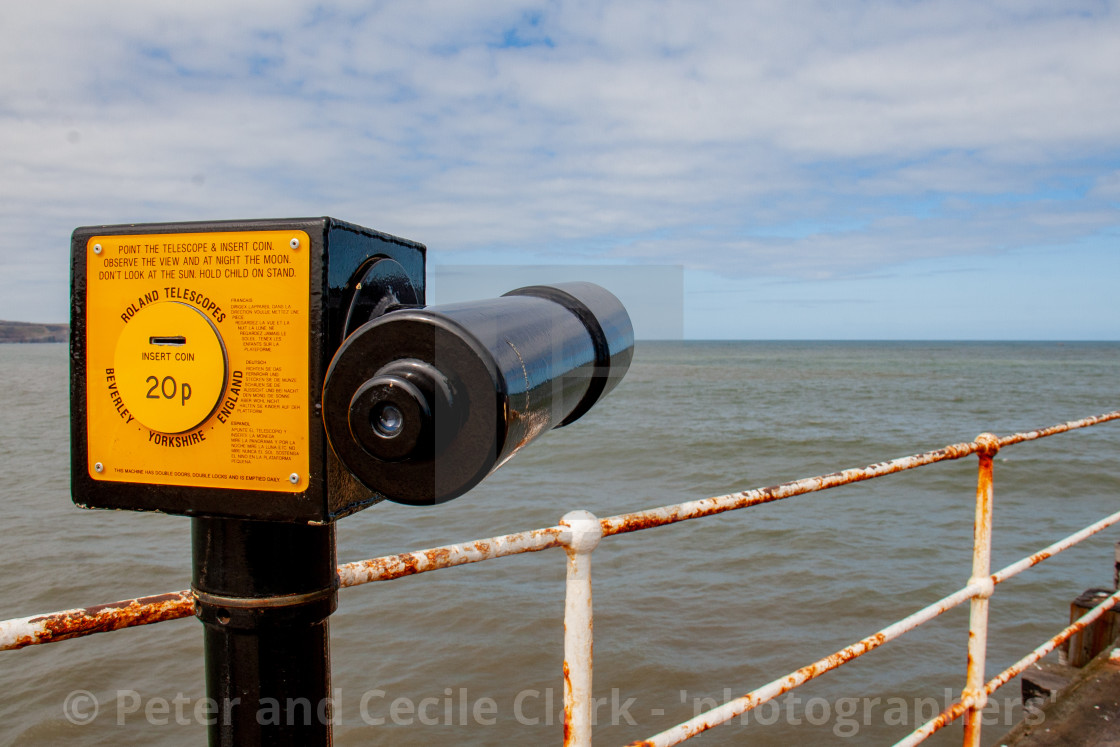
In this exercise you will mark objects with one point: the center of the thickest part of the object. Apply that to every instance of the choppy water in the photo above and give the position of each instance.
(681, 612)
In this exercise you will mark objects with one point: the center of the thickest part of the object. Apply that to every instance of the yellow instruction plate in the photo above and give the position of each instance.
(197, 359)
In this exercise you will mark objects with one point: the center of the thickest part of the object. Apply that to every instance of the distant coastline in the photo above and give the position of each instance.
(33, 332)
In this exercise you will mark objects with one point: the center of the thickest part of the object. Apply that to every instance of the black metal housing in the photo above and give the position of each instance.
(342, 255)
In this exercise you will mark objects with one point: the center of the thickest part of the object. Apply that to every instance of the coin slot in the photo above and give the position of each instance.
(171, 383)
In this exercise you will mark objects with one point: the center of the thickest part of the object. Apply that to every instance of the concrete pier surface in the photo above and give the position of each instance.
(1085, 713)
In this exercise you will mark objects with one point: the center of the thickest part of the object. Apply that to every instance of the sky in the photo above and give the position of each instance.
(810, 170)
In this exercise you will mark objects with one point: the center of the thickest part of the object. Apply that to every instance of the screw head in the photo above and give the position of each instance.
(294, 243)
(98, 467)
(294, 478)
(97, 248)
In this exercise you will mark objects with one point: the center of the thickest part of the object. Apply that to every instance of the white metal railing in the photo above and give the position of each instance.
(579, 533)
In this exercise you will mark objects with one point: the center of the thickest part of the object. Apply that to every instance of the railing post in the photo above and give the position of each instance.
(981, 574)
(580, 539)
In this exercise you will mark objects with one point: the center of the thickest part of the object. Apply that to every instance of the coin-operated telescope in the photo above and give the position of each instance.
(270, 377)
(421, 404)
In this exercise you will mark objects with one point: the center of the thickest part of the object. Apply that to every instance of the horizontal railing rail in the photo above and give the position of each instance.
(579, 532)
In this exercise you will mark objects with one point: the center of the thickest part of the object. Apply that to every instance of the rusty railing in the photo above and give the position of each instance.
(579, 532)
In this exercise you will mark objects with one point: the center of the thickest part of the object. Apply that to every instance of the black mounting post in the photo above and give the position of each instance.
(265, 591)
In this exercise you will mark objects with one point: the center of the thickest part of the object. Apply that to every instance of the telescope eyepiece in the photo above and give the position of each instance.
(390, 417)
(387, 420)
(393, 415)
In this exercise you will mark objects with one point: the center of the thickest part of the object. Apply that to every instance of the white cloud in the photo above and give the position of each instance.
(792, 138)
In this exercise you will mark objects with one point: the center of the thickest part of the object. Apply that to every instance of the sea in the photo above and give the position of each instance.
(686, 616)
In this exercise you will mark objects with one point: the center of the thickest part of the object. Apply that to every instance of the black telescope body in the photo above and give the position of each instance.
(421, 404)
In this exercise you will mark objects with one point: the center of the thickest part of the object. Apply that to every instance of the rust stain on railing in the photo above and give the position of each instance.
(656, 517)
(981, 574)
(102, 618)
(1051, 550)
(706, 721)
(1018, 438)
(721, 714)
(390, 567)
(956, 710)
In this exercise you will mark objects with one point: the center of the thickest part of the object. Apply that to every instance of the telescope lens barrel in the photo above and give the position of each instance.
(422, 404)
